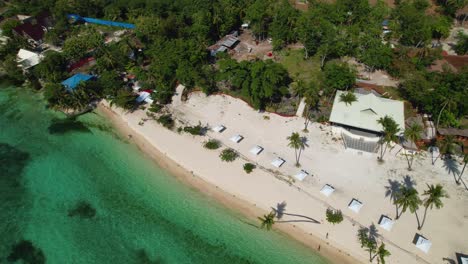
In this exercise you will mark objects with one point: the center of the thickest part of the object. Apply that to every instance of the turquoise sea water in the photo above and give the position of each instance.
(74, 192)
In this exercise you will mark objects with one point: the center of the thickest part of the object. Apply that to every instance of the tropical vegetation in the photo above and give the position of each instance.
(268, 220)
(296, 142)
(212, 144)
(334, 216)
(228, 155)
(249, 167)
(413, 134)
(389, 134)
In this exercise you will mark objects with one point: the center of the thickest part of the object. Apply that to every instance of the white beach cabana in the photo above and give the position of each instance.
(256, 150)
(236, 138)
(386, 222)
(423, 244)
(278, 162)
(219, 128)
(355, 205)
(301, 175)
(463, 259)
(327, 190)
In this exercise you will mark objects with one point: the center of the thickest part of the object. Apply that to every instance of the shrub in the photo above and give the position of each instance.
(166, 121)
(334, 216)
(248, 167)
(155, 107)
(322, 119)
(228, 155)
(212, 144)
(197, 130)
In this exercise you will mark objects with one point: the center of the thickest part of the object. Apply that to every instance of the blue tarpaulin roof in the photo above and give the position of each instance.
(100, 21)
(73, 81)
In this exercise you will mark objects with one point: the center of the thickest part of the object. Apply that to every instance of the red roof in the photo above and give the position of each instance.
(35, 32)
(36, 29)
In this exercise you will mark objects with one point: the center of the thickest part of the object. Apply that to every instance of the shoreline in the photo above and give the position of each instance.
(232, 202)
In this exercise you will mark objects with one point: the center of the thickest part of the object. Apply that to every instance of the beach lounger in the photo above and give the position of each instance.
(327, 190)
(237, 138)
(386, 222)
(423, 244)
(278, 162)
(256, 150)
(219, 128)
(355, 205)
(301, 175)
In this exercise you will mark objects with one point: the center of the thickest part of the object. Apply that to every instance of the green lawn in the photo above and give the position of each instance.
(299, 68)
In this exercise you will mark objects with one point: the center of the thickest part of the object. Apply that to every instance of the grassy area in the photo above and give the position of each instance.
(299, 68)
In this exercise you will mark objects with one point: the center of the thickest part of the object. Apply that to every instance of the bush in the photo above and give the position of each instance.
(212, 144)
(248, 167)
(228, 155)
(334, 216)
(155, 107)
(322, 119)
(197, 130)
(166, 121)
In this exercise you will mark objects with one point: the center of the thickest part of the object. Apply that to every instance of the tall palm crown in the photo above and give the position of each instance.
(389, 128)
(295, 141)
(348, 98)
(447, 145)
(434, 195)
(267, 220)
(413, 132)
(408, 198)
(382, 253)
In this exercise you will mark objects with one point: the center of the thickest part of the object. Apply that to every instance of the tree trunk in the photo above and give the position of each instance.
(440, 113)
(396, 210)
(297, 159)
(461, 173)
(417, 219)
(424, 219)
(408, 160)
(323, 61)
(306, 118)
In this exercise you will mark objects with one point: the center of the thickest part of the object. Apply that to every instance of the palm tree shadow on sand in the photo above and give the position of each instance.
(408, 182)
(280, 213)
(452, 167)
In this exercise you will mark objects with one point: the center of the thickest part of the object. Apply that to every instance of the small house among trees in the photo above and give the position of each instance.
(33, 29)
(228, 42)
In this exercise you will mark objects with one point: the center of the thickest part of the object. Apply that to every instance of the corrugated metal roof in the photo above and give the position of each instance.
(365, 112)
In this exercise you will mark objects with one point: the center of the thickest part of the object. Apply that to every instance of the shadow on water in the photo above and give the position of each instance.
(27, 252)
(82, 209)
(63, 126)
(12, 163)
(143, 258)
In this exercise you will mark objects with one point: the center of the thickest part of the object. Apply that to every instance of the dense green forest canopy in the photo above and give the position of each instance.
(170, 40)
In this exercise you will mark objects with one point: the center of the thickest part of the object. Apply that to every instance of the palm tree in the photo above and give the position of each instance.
(465, 161)
(413, 133)
(447, 146)
(407, 198)
(382, 253)
(348, 98)
(434, 195)
(389, 133)
(448, 101)
(267, 221)
(296, 142)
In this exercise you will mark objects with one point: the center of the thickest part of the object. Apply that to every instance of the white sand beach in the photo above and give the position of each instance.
(353, 175)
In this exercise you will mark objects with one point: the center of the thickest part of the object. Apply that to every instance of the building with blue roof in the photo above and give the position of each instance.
(72, 82)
